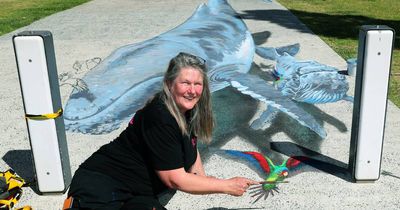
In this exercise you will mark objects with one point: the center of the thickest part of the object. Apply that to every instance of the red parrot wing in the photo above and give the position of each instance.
(261, 160)
(297, 164)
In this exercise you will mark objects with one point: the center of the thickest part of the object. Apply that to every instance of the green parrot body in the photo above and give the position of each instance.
(275, 174)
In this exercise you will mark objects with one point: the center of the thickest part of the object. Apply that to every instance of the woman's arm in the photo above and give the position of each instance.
(197, 168)
(187, 182)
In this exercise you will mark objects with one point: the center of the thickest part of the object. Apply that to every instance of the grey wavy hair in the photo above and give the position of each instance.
(201, 116)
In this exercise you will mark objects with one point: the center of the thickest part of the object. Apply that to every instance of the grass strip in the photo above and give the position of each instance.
(16, 13)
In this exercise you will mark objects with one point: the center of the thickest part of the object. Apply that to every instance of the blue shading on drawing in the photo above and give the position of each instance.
(306, 81)
(127, 78)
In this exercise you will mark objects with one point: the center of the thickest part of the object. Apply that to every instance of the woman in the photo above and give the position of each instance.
(158, 149)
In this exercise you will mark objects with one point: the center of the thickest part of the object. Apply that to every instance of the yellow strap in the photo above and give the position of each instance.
(44, 116)
(14, 190)
(10, 203)
(12, 179)
(6, 203)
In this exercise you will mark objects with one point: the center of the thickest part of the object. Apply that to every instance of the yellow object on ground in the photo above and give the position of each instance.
(11, 190)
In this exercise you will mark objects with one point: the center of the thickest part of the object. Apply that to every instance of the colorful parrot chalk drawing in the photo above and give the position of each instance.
(275, 174)
(122, 83)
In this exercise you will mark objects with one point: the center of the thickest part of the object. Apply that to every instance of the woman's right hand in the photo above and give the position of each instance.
(238, 185)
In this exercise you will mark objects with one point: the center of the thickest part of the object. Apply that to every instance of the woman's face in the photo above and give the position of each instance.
(186, 89)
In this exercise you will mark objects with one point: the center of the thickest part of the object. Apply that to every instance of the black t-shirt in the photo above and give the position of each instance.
(152, 141)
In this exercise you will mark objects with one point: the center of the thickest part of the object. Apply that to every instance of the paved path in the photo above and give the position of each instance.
(96, 28)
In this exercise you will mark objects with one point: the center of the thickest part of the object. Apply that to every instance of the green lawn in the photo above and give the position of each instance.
(18, 13)
(337, 22)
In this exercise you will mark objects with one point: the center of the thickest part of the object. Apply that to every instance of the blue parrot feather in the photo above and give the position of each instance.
(238, 155)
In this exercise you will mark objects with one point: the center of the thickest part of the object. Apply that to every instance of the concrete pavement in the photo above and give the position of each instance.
(98, 27)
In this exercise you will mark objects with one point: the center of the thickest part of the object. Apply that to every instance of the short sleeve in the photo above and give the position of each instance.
(165, 146)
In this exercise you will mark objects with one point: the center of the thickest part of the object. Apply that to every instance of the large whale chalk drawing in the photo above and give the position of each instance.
(127, 78)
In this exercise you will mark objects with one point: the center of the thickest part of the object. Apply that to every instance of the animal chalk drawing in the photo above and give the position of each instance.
(307, 80)
(121, 84)
(304, 81)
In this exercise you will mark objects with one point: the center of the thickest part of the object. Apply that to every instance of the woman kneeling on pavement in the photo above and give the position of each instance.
(158, 151)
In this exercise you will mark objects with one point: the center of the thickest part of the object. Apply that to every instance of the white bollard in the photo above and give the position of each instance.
(38, 77)
(370, 100)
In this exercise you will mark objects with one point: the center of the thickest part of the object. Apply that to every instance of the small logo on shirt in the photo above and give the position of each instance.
(194, 141)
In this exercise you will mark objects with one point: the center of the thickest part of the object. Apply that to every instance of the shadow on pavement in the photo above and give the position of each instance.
(22, 163)
(317, 160)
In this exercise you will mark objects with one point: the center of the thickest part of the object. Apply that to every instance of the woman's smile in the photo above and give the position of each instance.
(187, 88)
